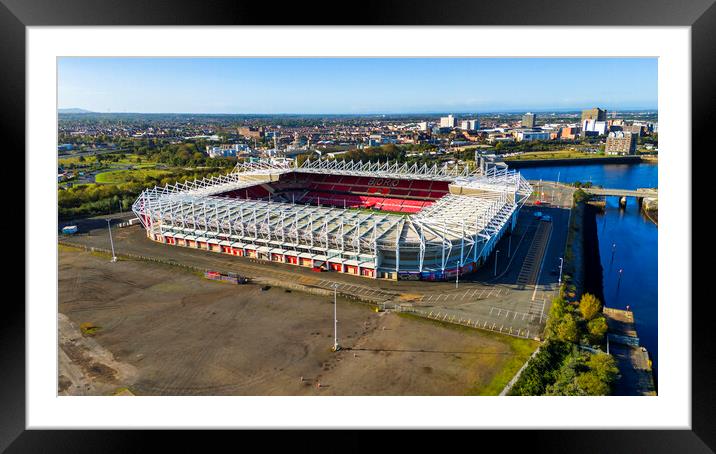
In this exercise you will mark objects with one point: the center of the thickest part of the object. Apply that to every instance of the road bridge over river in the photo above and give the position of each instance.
(639, 193)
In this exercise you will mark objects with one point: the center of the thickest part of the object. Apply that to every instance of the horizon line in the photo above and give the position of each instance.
(515, 111)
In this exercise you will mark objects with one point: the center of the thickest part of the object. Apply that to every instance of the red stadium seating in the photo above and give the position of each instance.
(389, 194)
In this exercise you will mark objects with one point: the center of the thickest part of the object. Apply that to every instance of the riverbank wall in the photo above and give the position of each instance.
(593, 272)
(574, 253)
(582, 259)
(520, 163)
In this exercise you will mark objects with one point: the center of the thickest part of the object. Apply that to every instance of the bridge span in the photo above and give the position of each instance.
(639, 193)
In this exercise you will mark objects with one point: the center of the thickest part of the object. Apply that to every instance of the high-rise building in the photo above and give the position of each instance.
(621, 143)
(528, 120)
(447, 122)
(470, 125)
(423, 126)
(595, 114)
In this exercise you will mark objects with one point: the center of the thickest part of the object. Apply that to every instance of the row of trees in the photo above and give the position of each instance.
(542, 145)
(184, 154)
(562, 367)
(95, 199)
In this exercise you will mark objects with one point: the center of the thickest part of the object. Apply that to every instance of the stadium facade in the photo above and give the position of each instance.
(377, 220)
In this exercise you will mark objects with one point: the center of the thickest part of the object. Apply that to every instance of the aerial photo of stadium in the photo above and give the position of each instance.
(376, 220)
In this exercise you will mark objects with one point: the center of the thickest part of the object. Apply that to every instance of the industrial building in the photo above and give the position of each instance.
(377, 220)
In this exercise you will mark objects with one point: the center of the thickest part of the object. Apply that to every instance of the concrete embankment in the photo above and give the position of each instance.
(519, 163)
(574, 252)
(650, 207)
(593, 272)
(582, 258)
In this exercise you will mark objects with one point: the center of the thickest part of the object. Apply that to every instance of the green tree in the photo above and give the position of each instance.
(597, 328)
(589, 306)
(580, 196)
(567, 329)
(604, 366)
(592, 385)
(557, 311)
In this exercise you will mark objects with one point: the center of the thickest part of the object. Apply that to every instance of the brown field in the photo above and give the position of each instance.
(153, 329)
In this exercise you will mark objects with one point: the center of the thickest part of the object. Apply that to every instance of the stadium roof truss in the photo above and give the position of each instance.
(458, 228)
(387, 170)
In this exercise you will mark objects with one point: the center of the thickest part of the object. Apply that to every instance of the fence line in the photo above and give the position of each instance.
(471, 323)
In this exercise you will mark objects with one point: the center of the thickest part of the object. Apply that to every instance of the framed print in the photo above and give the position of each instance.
(417, 217)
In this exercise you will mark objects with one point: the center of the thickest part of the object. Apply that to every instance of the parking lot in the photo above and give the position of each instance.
(515, 292)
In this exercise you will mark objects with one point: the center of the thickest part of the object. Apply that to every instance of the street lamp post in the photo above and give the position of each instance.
(457, 276)
(336, 347)
(109, 228)
(497, 251)
(561, 262)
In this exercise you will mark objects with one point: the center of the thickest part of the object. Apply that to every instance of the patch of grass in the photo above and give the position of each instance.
(106, 255)
(556, 154)
(89, 329)
(76, 160)
(520, 351)
(125, 175)
(68, 248)
(123, 391)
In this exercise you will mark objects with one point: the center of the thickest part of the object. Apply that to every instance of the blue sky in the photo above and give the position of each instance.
(355, 85)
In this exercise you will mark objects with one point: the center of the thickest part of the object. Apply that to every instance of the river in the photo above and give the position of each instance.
(628, 241)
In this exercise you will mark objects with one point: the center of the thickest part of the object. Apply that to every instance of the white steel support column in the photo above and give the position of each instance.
(397, 254)
(343, 245)
(462, 247)
(421, 254)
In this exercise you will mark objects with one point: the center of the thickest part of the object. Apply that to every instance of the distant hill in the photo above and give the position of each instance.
(74, 110)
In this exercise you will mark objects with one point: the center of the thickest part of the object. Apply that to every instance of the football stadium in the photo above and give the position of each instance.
(376, 220)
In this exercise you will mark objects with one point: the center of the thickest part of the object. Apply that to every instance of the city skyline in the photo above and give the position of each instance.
(358, 86)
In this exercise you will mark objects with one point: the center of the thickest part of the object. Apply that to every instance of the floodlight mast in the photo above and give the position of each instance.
(336, 347)
(114, 257)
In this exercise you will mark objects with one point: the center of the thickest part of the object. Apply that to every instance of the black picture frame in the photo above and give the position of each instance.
(16, 15)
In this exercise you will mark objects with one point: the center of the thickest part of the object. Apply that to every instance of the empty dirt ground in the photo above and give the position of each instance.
(161, 330)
